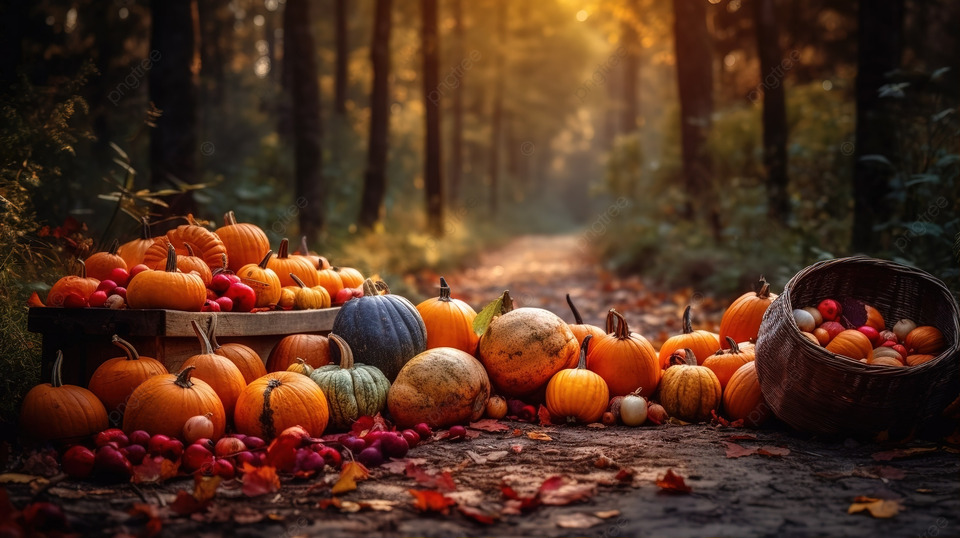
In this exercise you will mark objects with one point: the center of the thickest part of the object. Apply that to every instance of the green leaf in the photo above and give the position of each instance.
(485, 317)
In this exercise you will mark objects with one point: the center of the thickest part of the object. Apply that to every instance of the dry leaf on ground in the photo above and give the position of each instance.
(431, 501)
(672, 482)
(350, 474)
(878, 508)
(259, 480)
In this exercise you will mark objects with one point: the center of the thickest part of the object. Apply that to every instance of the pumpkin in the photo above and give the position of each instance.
(217, 371)
(741, 321)
(449, 321)
(703, 343)
(579, 328)
(100, 264)
(851, 343)
(245, 243)
(278, 401)
(917, 360)
(164, 403)
(523, 348)
(884, 351)
(314, 349)
(115, 379)
(386, 330)
(309, 298)
(283, 264)
(625, 360)
(133, 251)
(82, 285)
(350, 277)
(168, 288)
(688, 391)
(191, 263)
(288, 294)
(300, 367)
(243, 357)
(874, 318)
(577, 394)
(496, 407)
(330, 280)
(265, 283)
(207, 245)
(353, 389)
(62, 413)
(318, 262)
(726, 362)
(883, 361)
(742, 399)
(925, 340)
(441, 387)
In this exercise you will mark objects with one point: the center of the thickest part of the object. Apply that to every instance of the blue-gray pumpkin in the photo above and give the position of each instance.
(385, 331)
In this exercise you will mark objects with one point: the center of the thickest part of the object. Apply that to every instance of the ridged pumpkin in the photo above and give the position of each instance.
(742, 399)
(314, 349)
(726, 362)
(688, 391)
(61, 413)
(317, 261)
(330, 280)
(441, 387)
(703, 343)
(300, 367)
(288, 294)
(245, 243)
(206, 244)
(917, 360)
(741, 321)
(278, 401)
(853, 344)
(243, 357)
(116, 379)
(307, 298)
(579, 328)
(190, 262)
(282, 263)
(353, 389)
(351, 278)
(449, 321)
(163, 403)
(133, 251)
(925, 340)
(217, 371)
(625, 360)
(386, 330)
(100, 264)
(577, 394)
(265, 282)
(168, 289)
(523, 348)
(82, 285)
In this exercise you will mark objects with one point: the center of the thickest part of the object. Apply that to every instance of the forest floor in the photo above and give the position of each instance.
(741, 482)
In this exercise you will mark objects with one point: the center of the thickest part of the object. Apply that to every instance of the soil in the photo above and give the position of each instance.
(803, 487)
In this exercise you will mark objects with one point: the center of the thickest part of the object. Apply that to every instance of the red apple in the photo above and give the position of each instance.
(120, 275)
(830, 310)
(137, 269)
(220, 282)
(228, 446)
(343, 295)
(74, 300)
(134, 453)
(212, 295)
(97, 299)
(210, 306)
(331, 456)
(872, 334)
(78, 462)
(121, 291)
(902, 351)
(114, 435)
(157, 443)
(226, 304)
(889, 343)
(243, 297)
(106, 286)
(223, 468)
(234, 279)
(196, 457)
(172, 449)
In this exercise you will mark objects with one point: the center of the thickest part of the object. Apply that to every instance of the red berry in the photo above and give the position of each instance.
(197, 457)
(226, 304)
(458, 432)
(78, 462)
(107, 286)
(423, 429)
(220, 282)
(97, 299)
(157, 443)
(134, 453)
(114, 435)
(224, 469)
(140, 437)
(830, 309)
(412, 437)
(120, 275)
(121, 291)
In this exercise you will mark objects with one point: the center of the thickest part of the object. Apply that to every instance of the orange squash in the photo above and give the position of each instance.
(82, 285)
(688, 391)
(853, 344)
(330, 280)
(191, 263)
(449, 321)
(742, 399)
(278, 401)
(350, 277)
(133, 251)
(742, 320)
(205, 243)
(314, 349)
(625, 360)
(168, 288)
(579, 328)
(62, 413)
(917, 360)
(100, 264)
(217, 371)
(726, 362)
(703, 343)
(925, 340)
(283, 264)
(265, 282)
(244, 243)
(577, 394)
(164, 403)
(115, 379)
(243, 357)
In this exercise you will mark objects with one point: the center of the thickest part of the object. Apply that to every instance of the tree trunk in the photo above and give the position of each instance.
(456, 138)
(13, 24)
(432, 151)
(375, 180)
(774, 111)
(496, 117)
(631, 67)
(695, 84)
(880, 46)
(343, 54)
(300, 52)
(173, 89)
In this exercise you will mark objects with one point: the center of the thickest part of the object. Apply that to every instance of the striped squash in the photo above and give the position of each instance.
(353, 389)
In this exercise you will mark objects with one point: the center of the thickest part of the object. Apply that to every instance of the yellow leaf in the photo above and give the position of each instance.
(878, 508)
(539, 436)
(20, 478)
(349, 475)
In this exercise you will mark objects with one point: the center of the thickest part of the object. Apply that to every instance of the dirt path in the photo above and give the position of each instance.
(804, 490)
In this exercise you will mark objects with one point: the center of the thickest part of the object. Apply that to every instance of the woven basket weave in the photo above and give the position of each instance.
(815, 391)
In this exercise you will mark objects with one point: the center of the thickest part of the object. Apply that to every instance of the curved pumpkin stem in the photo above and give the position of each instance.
(687, 325)
(617, 325)
(369, 288)
(683, 356)
(382, 288)
(229, 219)
(56, 378)
(212, 332)
(346, 354)
(223, 266)
(127, 348)
(298, 281)
(183, 378)
(282, 250)
(734, 347)
(113, 247)
(83, 268)
(764, 290)
(205, 346)
(576, 313)
(263, 262)
(444, 291)
(584, 347)
(171, 266)
(189, 249)
(304, 251)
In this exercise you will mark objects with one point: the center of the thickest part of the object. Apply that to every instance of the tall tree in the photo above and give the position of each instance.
(432, 154)
(631, 66)
(173, 89)
(456, 137)
(343, 53)
(375, 177)
(880, 41)
(774, 111)
(299, 57)
(695, 85)
(496, 117)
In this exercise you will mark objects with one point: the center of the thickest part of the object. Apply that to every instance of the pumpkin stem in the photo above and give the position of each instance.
(283, 248)
(223, 266)
(734, 348)
(507, 304)
(113, 247)
(764, 291)
(127, 348)
(683, 356)
(369, 288)
(56, 379)
(83, 268)
(263, 262)
(444, 291)
(687, 325)
(382, 288)
(304, 251)
(171, 266)
(212, 332)
(145, 229)
(205, 346)
(576, 313)
(584, 347)
(617, 325)
(298, 281)
(346, 354)
(183, 378)
(189, 249)
(229, 219)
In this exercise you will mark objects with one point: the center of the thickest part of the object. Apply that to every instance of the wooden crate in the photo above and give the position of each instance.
(84, 334)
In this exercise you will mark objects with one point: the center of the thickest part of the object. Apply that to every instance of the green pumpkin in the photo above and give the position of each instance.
(353, 389)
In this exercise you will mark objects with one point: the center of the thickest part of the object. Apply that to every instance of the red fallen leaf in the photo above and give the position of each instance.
(350, 473)
(154, 525)
(261, 309)
(516, 433)
(470, 434)
(563, 490)
(671, 482)
(282, 452)
(205, 487)
(186, 504)
(736, 451)
(901, 453)
(479, 515)
(544, 415)
(772, 451)
(367, 423)
(441, 481)
(34, 300)
(154, 469)
(521, 503)
(327, 503)
(426, 500)
(489, 425)
(717, 419)
(259, 480)
(625, 475)
(742, 437)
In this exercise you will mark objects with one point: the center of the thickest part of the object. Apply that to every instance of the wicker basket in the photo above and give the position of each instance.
(816, 391)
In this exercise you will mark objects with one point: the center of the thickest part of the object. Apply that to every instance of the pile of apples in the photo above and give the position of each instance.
(227, 293)
(375, 446)
(115, 454)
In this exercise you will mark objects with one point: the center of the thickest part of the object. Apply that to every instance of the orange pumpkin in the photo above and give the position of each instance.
(164, 403)
(917, 360)
(625, 360)
(100, 264)
(726, 362)
(742, 320)
(82, 285)
(115, 379)
(217, 371)
(278, 401)
(579, 328)
(265, 282)
(853, 344)
(62, 413)
(318, 262)
(496, 407)
(688, 391)
(314, 349)
(350, 277)
(243, 357)
(883, 361)
(577, 394)
(449, 321)
(282, 263)
(925, 340)
(192, 263)
(742, 399)
(168, 289)
(205, 243)
(245, 243)
(133, 251)
(703, 343)
(330, 280)
(306, 298)
(288, 294)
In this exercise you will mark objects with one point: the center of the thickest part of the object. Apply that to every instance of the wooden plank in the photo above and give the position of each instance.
(252, 324)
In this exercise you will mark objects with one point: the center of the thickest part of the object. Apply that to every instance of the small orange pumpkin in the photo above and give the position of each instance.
(579, 328)
(217, 371)
(496, 407)
(703, 343)
(687, 391)
(306, 298)
(265, 282)
(330, 280)
(62, 413)
(449, 321)
(742, 399)
(917, 360)
(853, 344)
(350, 277)
(742, 320)
(168, 289)
(925, 340)
(283, 264)
(726, 362)
(577, 394)
(207, 245)
(133, 251)
(245, 243)
(100, 264)
(115, 379)
(82, 285)
(288, 294)
(314, 349)
(189, 262)
(625, 360)
(164, 403)
(318, 262)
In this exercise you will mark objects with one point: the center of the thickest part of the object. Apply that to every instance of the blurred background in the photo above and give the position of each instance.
(688, 141)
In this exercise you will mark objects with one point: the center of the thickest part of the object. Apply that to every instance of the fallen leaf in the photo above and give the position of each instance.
(151, 513)
(577, 521)
(366, 423)
(719, 420)
(544, 415)
(399, 466)
(282, 453)
(186, 504)
(489, 425)
(205, 487)
(607, 514)
(597, 425)
(742, 437)
(496, 455)
(676, 421)
(624, 475)
(878, 508)
(426, 500)
(377, 505)
(901, 453)
(671, 482)
(442, 481)
(539, 436)
(259, 480)
(34, 300)
(487, 517)
(477, 458)
(516, 432)
(155, 469)
(604, 462)
(736, 451)
(20, 478)
(773, 451)
(350, 473)
(247, 515)
(563, 490)
(323, 504)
